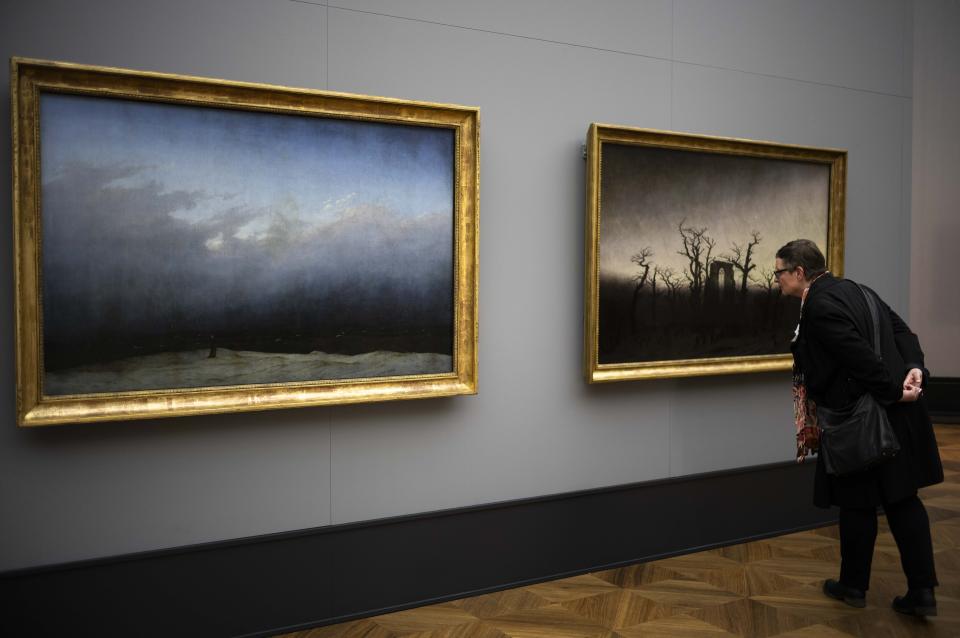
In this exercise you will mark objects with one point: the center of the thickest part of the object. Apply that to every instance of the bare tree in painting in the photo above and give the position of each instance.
(642, 260)
(771, 309)
(766, 280)
(657, 274)
(697, 248)
(742, 260)
(672, 282)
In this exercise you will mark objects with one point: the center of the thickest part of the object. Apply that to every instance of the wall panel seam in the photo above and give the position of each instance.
(673, 55)
(605, 50)
(904, 214)
(326, 48)
(790, 79)
(501, 33)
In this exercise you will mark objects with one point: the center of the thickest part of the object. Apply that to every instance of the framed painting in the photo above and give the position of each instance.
(190, 246)
(681, 233)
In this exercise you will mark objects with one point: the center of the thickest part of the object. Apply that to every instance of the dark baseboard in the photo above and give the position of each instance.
(943, 399)
(285, 582)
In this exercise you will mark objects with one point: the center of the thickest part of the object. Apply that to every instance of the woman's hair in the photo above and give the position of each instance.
(803, 252)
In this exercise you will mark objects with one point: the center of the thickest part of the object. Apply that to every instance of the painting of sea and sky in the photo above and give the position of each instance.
(194, 246)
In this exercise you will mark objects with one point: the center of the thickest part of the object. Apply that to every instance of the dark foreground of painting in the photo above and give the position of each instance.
(674, 325)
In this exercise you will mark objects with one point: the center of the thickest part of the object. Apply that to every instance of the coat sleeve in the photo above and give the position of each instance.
(835, 329)
(907, 344)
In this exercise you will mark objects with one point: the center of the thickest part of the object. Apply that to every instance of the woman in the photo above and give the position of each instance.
(834, 364)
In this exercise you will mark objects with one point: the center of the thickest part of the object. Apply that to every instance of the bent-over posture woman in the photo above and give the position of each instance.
(834, 364)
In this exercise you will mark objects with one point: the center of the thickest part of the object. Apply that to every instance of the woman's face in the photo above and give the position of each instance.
(792, 281)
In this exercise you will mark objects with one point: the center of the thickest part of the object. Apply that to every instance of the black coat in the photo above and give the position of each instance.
(834, 351)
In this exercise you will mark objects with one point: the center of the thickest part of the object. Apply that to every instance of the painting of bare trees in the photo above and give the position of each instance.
(684, 252)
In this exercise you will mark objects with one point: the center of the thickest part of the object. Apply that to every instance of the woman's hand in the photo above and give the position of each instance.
(911, 386)
(914, 378)
(911, 393)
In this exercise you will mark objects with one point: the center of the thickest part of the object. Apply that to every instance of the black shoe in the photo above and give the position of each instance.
(917, 602)
(849, 595)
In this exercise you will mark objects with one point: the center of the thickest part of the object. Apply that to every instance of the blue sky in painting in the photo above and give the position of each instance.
(313, 168)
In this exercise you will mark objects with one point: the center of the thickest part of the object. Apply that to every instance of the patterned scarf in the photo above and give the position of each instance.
(805, 419)
(804, 408)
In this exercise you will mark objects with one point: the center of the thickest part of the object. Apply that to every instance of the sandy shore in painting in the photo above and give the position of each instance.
(194, 369)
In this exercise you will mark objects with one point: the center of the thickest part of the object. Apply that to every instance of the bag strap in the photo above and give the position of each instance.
(872, 305)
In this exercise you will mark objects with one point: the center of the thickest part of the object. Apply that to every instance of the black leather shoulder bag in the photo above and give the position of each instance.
(859, 436)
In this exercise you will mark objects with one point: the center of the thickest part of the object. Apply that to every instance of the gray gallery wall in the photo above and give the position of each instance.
(821, 73)
(935, 231)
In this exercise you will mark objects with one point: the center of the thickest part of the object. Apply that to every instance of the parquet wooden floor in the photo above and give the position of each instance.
(764, 588)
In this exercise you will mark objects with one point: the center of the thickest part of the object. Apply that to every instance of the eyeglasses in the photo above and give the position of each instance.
(780, 271)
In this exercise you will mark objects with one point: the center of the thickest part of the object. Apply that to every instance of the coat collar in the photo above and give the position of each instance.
(827, 280)
(822, 282)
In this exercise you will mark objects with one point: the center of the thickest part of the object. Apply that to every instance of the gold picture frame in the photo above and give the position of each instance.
(662, 208)
(70, 332)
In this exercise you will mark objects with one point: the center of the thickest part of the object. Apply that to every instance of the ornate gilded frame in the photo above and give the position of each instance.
(30, 77)
(597, 135)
